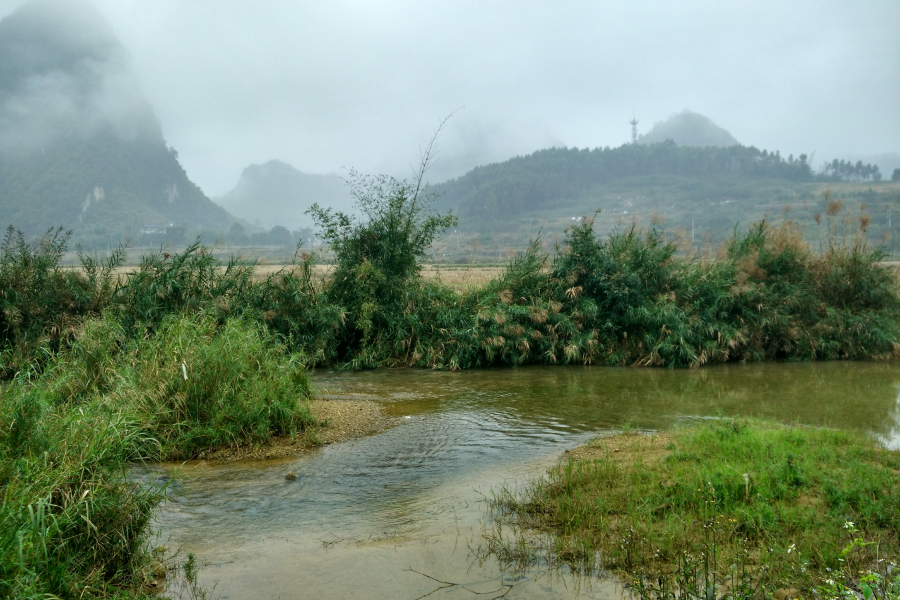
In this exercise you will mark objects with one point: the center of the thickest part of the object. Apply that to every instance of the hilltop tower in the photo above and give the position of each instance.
(634, 124)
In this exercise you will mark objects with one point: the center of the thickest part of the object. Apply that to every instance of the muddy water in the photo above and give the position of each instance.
(379, 517)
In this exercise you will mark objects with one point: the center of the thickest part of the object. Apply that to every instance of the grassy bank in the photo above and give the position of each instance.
(71, 524)
(723, 509)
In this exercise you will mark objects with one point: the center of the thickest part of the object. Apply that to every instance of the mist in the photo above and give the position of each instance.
(62, 77)
(351, 84)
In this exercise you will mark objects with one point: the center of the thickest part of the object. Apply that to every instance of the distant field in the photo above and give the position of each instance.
(458, 277)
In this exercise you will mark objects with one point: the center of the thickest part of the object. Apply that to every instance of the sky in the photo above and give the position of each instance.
(327, 86)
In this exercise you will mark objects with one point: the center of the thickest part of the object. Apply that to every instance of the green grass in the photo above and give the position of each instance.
(731, 507)
(71, 523)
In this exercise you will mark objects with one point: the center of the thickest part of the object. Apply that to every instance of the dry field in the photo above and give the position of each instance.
(457, 277)
(460, 278)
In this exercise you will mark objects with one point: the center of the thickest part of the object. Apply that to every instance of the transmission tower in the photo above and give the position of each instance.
(634, 124)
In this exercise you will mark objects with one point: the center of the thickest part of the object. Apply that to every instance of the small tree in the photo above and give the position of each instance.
(393, 232)
(380, 250)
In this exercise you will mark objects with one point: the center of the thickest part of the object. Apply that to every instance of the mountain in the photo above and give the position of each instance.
(703, 190)
(688, 129)
(275, 193)
(79, 144)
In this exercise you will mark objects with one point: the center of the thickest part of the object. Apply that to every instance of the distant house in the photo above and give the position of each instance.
(151, 229)
(163, 229)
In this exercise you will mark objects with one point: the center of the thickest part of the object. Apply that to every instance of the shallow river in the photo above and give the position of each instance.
(379, 516)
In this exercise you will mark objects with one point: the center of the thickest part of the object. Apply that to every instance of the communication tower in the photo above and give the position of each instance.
(634, 124)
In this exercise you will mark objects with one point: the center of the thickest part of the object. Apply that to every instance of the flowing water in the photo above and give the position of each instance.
(395, 514)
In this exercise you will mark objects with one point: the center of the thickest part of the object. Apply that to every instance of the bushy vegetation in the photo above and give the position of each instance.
(628, 299)
(725, 509)
(42, 304)
(377, 279)
(71, 523)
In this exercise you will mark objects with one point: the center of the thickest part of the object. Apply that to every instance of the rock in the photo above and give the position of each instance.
(786, 594)
(291, 476)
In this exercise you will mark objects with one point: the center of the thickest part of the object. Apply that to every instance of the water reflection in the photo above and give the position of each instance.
(362, 514)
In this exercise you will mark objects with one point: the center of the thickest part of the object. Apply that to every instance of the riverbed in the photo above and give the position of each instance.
(400, 514)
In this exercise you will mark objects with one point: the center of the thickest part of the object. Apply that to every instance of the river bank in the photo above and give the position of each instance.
(188, 358)
(724, 508)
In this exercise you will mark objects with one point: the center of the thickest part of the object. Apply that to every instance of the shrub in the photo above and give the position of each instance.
(184, 282)
(42, 304)
(378, 255)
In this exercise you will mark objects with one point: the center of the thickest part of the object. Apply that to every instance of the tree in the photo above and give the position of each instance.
(280, 236)
(896, 175)
(379, 252)
(237, 235)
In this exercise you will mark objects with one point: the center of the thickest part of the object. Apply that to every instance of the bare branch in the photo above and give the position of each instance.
(426, 159)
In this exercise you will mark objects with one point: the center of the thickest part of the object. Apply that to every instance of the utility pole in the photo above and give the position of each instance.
(634, 124)
(692, 230)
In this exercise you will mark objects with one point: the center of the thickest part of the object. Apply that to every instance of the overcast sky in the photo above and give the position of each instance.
(331, 84)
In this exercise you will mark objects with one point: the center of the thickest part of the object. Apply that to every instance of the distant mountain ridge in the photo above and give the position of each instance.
(275, 193)
(79, 144)
(710, 188)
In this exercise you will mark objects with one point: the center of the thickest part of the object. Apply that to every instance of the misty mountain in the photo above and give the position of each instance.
(79, 144)
(275, 193)
(687, 187)
(688, 129)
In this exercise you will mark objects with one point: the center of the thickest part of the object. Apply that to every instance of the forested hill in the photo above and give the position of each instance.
(79, 144)
(554, 185)
(105, 189)
(688, 129)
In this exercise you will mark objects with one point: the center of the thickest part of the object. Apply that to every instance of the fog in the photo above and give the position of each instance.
(363, 84)
(62, 73)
